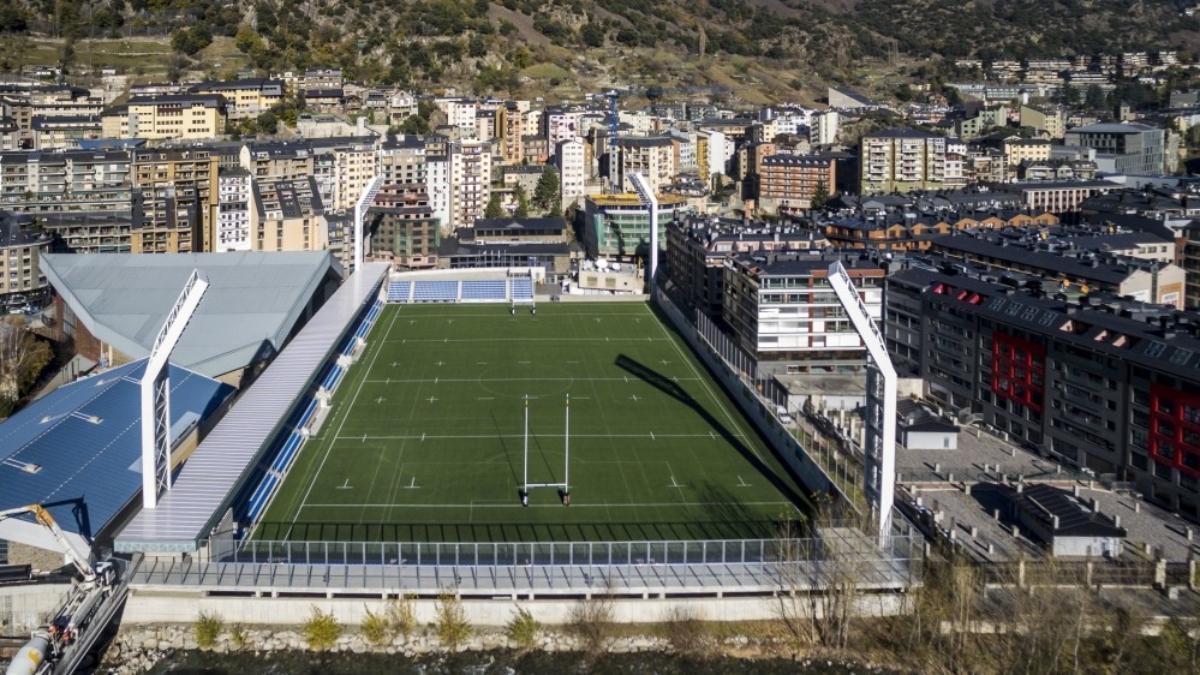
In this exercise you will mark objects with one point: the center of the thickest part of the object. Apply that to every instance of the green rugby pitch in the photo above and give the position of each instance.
(424, 441)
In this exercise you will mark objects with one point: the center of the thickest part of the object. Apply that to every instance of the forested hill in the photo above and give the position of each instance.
(495, 44)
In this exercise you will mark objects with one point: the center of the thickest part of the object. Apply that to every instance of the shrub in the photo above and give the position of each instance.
(452, 626)
(686, 633)
(237, 634)
(208, 629)
(402, 617)
(522, 629)
(375, 628)
(321, 630)
(591, 623)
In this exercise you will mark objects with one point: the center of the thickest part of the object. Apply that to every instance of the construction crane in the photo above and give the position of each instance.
(46, 647)
(80, 560)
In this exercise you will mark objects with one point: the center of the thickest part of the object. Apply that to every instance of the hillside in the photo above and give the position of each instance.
(759, 50)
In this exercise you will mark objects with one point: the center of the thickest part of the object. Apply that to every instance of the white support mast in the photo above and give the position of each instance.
(156, 392)
(879, 461)
(650, 201)
(360, 212)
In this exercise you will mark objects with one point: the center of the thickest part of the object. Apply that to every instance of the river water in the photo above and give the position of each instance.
(489, 663)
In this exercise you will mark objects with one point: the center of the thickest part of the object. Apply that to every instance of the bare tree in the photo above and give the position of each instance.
(22, 358)
(819, 579)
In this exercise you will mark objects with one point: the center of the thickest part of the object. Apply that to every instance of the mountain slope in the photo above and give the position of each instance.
(760, 49)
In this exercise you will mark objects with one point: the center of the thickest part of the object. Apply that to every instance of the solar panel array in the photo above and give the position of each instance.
(78, 450)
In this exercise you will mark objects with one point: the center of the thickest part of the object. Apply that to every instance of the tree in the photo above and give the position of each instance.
(1094, 97)
(522, 202)
(22, 358)
(1193, 136)
(546, 196)
(592, 34)
(493, 208)
(267, 123)
(820, 196)
(190, 40)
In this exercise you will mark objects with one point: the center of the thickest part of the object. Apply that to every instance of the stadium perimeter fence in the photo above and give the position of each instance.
(837, 543)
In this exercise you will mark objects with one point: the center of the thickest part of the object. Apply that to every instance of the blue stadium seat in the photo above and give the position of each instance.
(435, 291)
(522, 288)
(398, 291)
(484, 291)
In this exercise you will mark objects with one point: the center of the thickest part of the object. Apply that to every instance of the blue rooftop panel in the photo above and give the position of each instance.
(77, 450)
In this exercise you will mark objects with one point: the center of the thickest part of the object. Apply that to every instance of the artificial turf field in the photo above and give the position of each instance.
(424, 439)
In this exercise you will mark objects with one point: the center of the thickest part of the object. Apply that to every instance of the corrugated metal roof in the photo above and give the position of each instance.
(253, 302)
(78, 449)
(218, 468)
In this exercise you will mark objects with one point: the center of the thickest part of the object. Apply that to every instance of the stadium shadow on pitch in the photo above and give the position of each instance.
(672, 389)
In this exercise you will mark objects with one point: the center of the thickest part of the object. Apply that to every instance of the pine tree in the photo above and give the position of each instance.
(546, 196)
(493, 209)
(820, 196)
(522, 203)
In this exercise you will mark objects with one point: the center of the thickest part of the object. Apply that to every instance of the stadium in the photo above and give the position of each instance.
(457, 409)
(462, 429)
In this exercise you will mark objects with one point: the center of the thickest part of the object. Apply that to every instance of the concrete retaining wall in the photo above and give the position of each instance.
(27, 607)
(153, 608)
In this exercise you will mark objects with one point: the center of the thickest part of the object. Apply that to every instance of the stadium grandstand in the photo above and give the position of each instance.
(111, 306)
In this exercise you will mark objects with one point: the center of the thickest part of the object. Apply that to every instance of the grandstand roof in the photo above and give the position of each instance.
(221, 466)
(77, 450)
(253, 303)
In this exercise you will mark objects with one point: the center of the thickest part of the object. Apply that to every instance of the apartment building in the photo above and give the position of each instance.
(1129, 148)
(782, 310)
(404, 229)
(354, 165)
(1019, 150)
(510, 123)
(712, 153)
(470, 174)
(788, 183)
(277, 159)
(571, 159)
(1103, 383)
(245, 99)
(1060, 197)
(437, 181)
(617, 225)
(824, 128)
(563, 125)
(653, 157)
(1075, 270)
(402, 160)
(697, 247)
(288, 216)
(21, 278)
(176, 116)
(234, 224)
(901, 160)
(64, 177)
(169, 220)
(460, 113)
(60, 133)
(192, 174)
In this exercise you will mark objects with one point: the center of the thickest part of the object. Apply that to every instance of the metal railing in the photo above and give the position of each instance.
(834, 543)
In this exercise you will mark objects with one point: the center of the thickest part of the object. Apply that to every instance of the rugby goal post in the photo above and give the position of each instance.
(564, 488)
